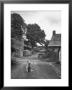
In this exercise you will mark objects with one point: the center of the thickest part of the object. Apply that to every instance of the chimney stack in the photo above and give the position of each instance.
(54, 32)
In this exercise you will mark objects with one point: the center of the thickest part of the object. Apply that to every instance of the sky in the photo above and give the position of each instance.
(48, 20)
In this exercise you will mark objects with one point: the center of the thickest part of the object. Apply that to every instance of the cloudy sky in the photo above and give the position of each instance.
(48, 20)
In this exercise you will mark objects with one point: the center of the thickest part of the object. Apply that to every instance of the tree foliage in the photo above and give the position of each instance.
(35, 34)
(46, 43)
(17, 26)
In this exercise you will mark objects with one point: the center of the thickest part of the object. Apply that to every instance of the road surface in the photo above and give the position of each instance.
(39, 69)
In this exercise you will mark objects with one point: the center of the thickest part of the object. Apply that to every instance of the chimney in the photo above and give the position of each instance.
(54, 32)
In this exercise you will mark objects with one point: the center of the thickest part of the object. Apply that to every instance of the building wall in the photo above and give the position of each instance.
(54, 54)
(19, 46)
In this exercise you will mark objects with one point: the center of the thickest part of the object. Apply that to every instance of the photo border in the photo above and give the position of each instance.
(2, 26)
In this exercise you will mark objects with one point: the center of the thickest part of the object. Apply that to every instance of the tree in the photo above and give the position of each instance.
(35, 34)
(46, 42)
(17, 26)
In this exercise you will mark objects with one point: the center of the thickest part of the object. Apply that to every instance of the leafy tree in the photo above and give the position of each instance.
(46, 42)
(35, 34)
(17, 26)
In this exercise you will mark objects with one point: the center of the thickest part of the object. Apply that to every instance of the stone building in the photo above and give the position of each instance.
(19, 47)
(55, 44)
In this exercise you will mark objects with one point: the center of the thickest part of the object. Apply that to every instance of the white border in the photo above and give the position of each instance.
(7, 53)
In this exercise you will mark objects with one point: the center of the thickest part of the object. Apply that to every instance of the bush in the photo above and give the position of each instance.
(42, 56)
(13, 62)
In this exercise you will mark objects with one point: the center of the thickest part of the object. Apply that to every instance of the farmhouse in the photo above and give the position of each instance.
(55, 44)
